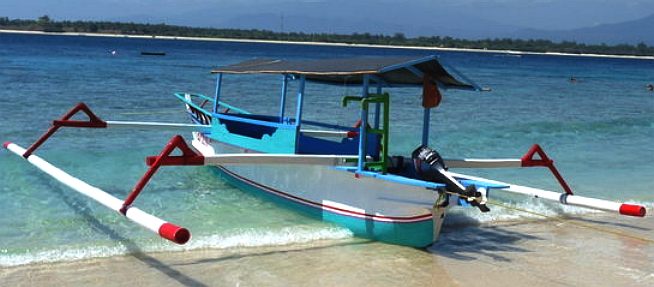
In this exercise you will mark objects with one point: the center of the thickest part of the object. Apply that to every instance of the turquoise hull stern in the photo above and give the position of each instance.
(414, 234)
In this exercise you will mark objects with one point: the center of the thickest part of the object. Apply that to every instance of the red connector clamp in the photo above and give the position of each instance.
(188, 157)
(93, 122)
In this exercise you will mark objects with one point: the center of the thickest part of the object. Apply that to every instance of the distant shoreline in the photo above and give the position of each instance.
(510, 52)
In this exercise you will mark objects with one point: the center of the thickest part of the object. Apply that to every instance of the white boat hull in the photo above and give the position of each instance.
(370, 207)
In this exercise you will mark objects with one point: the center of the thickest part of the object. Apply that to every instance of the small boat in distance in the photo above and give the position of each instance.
(151, 53)
(342, 174)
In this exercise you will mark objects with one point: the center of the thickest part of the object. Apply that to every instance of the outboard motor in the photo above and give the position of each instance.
(430, 166)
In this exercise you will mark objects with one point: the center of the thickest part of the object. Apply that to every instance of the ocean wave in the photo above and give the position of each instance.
(239, 238)
(617, 126)
(511, 211)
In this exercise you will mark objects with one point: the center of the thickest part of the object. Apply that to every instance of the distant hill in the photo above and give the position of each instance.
(629, 32)
(44, 23)
(423, 23)
(455, 25)
(474, 20)
(590, 21)
(418, 18)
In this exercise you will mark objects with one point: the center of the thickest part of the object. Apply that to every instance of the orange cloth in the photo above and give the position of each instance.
(431, 96)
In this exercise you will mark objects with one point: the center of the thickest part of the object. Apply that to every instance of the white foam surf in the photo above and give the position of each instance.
(238, 238)
(299, 234)
(523, 210)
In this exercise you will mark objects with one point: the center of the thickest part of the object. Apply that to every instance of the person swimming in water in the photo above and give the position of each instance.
(650, 87)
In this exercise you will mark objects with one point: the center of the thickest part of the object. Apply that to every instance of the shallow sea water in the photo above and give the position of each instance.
(599, 131)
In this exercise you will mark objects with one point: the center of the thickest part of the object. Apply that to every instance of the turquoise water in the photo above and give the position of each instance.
(599, 131)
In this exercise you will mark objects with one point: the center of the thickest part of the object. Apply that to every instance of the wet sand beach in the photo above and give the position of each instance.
(596, 250)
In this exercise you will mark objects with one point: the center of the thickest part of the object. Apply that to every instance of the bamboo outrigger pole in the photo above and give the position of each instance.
(189, 156)
(165, 229)
(565, 198)
(529, 160)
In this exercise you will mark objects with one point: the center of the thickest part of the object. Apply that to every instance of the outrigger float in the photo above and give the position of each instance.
(341, 174)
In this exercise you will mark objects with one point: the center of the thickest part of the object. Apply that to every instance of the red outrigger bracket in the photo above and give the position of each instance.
(529, 161)
(188, 157)
(93, 122)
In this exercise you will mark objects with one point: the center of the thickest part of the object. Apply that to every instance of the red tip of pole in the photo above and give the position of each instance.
(174, 233)
(632, 210)
(6, 144)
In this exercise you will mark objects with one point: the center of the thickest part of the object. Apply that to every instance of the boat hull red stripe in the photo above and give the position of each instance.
(395, 219)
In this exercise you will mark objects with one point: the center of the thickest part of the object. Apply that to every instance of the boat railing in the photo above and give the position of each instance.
(326, 125)
(190, 98)
(250, 120)
(198, 113)
(327, 138)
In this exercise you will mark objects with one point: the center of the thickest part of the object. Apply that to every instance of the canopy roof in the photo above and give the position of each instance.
(389, 71)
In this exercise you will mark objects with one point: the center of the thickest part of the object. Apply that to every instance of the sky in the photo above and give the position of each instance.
(412, 17)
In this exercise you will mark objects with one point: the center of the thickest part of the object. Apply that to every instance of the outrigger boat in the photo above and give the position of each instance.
(340, 174)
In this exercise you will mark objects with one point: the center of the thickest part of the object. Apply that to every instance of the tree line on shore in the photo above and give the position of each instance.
(44, 23)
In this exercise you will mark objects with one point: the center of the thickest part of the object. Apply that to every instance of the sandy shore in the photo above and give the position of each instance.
(512, 52)
(595, 251)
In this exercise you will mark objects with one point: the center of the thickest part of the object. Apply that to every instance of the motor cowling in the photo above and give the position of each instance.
(429, 166)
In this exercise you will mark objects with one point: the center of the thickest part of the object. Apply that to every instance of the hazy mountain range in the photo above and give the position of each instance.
(630, 32)
(596, 21)
(624, 32)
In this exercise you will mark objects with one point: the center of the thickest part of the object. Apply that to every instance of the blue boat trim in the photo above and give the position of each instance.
(249, 121)
(392, 177)
(417, 182)
(219, 85)
(478, 183)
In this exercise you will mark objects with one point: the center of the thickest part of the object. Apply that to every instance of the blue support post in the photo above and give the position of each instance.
(282, 105)
(300, 96)
(364, 124)
(425, 126)
(219, 83)
(378, 105)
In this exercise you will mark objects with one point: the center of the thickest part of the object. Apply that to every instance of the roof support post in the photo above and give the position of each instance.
(425, 126)
(282, 105)
(219, 82)
(300, 96)
(363, 128)
(378, 105)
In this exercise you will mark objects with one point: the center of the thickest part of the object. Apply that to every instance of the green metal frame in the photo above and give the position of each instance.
(384, 99)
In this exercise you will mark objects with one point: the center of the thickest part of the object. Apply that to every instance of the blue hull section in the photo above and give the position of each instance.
(414, 234)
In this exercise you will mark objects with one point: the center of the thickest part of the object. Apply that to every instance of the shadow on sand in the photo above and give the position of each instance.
(471, 241)
(605, 222)
(81, 207)
(298, 250)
